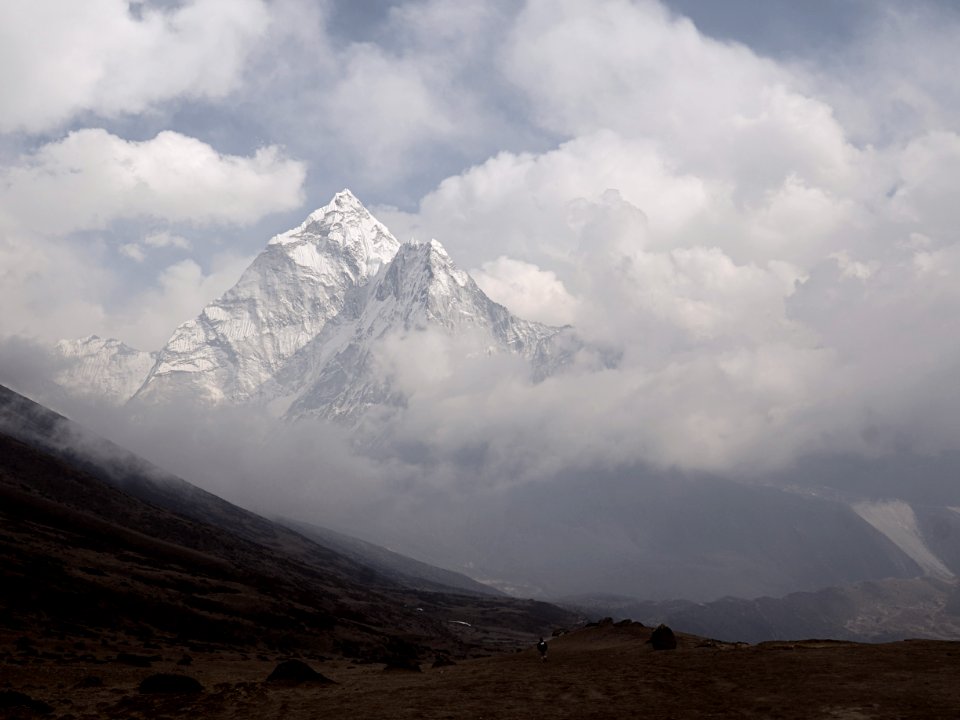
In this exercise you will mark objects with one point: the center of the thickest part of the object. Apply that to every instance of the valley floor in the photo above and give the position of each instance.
(607, 671)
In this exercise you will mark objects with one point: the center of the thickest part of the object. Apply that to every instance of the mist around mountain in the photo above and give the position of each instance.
(98, 542)
(371, 387)
(127, 591)
(873, 611)
(304, 327)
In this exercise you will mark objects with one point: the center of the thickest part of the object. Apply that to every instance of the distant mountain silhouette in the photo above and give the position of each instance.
(95, 539)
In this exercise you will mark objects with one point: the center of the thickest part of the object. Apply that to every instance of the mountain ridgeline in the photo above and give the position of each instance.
(336, 320)
(96, 541)
(302, 326)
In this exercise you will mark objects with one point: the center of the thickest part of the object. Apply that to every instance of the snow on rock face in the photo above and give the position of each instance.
(104, 368)
(897, 521)
(281, 302)
(339, 375)
(423, 287)
(306, 327)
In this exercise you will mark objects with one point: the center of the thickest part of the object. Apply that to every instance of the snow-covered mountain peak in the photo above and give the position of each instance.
(102, 367)
(423, 278)
(349, 370)
(301, 280)
(342, 228)
(343, 205)
(311, 320)
(73, 347)
(92, 344)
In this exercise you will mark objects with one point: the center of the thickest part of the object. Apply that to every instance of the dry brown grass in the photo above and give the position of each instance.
(600, 672)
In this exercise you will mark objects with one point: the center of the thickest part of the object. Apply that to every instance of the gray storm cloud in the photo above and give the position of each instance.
(761, 254)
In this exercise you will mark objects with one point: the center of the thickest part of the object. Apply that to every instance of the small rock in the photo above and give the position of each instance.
(13, 699)
(169, 683)
(294, 672)
(662, 638)
(398, 664)
(137, 660)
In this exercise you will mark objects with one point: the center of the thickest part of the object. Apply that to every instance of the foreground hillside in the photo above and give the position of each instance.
(877, 611)
(97, 546)
(476, 438)
(607, 671)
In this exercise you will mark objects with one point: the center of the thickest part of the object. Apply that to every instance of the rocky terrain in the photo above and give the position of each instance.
(338, 328)
(95, 548)
(604, 671)
(875, 611)
(128, 593)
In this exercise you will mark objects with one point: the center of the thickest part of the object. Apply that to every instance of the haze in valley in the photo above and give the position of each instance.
(742, 224)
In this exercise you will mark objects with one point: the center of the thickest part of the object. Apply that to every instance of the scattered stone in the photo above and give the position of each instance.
(25, 646)
(402, 664)
(557, 632)
(401, 655)
(144, 661)
(185, 660)
(294, 672)
(170, 684)
(442, 661)
(600, 623)
(662, 638)
(12, 699)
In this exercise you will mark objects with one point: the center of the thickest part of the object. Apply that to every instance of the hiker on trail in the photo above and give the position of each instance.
(542, 648)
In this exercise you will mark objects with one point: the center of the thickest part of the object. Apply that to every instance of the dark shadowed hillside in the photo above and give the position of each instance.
(876, 611)
(608, 671)
(92, 545)
(393, 565)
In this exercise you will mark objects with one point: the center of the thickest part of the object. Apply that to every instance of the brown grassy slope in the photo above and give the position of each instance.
(601, 672)
(79, 556)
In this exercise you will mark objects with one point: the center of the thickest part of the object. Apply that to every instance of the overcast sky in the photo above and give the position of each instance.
(755, 201)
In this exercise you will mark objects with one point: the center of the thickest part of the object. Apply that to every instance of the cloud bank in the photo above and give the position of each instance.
(765, 245)
(113, 57)
(92, 178)
(769, 278)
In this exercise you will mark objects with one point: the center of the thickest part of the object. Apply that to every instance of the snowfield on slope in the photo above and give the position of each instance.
(896, 520)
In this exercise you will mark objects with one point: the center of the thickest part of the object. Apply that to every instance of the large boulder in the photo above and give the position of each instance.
(143, 661)
(294, 672)
(170, 684)
(662, 638)
(11, 699)
(401, 655)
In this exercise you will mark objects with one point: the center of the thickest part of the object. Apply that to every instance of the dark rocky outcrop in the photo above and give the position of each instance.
(294, 672)
(401, 655)
(171, 684)
(662, 638)
(137, 660)
(443, 661)
(10, 699)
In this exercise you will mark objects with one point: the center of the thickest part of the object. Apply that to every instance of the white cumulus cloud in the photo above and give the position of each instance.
(110, 57)
(91, 178)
